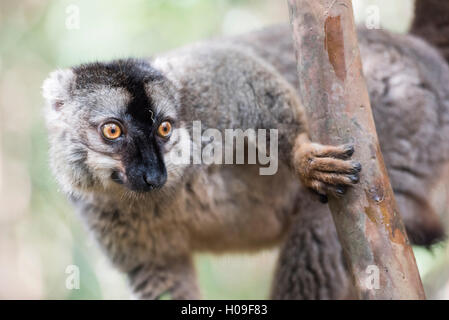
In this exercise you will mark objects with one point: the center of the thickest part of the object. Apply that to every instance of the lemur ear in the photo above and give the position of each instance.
(56, 88)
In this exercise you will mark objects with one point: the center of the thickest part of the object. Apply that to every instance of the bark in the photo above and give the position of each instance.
(334, 93)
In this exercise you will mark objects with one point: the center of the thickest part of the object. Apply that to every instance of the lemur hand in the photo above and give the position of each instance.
(326, 170)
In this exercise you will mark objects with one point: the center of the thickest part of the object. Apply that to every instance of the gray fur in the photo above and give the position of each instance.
(245, 82)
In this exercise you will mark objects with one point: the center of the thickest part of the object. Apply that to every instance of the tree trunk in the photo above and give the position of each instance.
(334, 93)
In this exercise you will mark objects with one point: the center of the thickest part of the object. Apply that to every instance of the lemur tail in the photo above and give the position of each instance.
(431, 23)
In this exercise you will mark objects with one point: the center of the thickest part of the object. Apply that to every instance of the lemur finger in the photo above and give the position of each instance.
(337, 191)
(336, 166)
(318, 187)
(343, 152)
(335, 178)
(323, 189)
(321, 197)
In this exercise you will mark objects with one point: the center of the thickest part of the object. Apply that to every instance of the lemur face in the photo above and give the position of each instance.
(112, 124)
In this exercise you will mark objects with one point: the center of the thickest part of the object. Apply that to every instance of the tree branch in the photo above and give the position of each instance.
(334, 92)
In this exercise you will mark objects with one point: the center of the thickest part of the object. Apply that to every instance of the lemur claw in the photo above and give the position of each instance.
(349, 150)
(327, 170)
(323, 198)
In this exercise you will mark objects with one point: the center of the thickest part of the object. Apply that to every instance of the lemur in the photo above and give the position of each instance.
(431, 22)
(114, 127)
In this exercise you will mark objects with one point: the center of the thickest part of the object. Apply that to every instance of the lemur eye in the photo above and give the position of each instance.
(111, 130)
(164, 129)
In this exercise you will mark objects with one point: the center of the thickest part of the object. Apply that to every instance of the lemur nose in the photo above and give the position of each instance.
(154, 179)
(149, 180)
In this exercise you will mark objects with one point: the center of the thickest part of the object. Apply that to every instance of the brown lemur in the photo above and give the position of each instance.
(431, 22)
(114, 128)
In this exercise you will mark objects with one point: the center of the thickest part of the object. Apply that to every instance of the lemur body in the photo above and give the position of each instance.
(150, 214)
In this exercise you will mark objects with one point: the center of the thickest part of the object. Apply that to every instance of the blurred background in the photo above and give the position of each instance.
(40, 236)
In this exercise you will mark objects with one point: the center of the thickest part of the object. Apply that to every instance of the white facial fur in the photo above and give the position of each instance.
(79, 158)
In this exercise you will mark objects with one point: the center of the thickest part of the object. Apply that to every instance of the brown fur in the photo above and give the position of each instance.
(431, 23)
(246, 82)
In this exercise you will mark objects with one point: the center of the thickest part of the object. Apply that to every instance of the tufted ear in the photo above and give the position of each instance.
(56, 88)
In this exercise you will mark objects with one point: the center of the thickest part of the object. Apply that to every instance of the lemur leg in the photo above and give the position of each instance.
(176, 278)
(310, 264)
(327, 170)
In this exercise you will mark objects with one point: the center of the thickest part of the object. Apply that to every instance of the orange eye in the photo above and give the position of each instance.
(164, 129)
(111, 131)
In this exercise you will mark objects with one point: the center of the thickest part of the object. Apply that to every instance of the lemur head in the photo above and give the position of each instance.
(112, 125)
